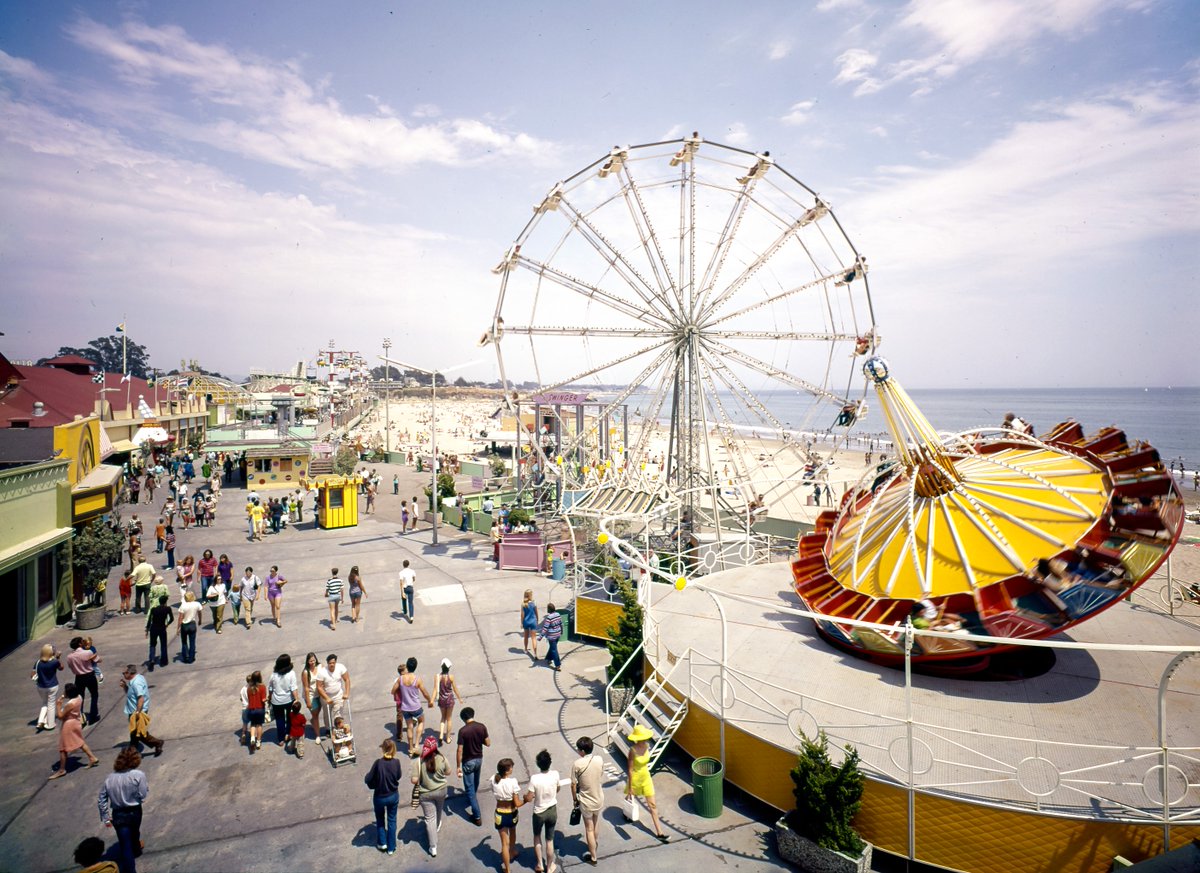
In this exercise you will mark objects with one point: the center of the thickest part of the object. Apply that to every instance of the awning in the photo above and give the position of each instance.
(106, 444)
(101, 476)
(122, 447)
(151, 434)
(23, 551)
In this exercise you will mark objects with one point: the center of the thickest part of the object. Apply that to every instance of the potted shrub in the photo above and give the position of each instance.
(817, 835)
(92, 556)
(623, 641)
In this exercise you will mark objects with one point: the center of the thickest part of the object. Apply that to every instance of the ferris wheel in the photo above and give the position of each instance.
(711, 305)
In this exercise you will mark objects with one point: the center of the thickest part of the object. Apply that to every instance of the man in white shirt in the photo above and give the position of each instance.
(408, 579)
(333, 686)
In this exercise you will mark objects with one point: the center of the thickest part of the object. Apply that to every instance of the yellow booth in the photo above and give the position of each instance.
(337, 500)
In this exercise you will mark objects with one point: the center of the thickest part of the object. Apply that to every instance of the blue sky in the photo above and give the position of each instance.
(244, 182)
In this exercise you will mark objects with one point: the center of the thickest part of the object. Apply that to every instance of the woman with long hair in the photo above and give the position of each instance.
(357, 592)
(508, 800)
(70, 733)
(429, 778)
(208, 571)
(308, 679)
(445, 689)
(283, 690)
(256, 709)
(185, 574)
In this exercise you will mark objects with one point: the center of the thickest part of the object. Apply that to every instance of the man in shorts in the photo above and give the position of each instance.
(587, 790)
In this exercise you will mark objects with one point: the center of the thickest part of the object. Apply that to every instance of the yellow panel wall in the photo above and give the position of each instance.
(951, 834)
(593, 618)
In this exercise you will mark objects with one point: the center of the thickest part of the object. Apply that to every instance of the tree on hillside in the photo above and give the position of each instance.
(378, 374)
(105, 353)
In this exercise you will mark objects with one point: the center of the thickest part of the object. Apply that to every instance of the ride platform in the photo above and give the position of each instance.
(1049, 759)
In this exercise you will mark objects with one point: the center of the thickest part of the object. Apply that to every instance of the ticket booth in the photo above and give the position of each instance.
(337, 501)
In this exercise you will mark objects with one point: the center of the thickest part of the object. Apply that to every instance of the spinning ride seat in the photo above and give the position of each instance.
(959, 521)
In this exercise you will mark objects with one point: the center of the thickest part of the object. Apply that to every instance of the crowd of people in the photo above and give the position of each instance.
(288, 703)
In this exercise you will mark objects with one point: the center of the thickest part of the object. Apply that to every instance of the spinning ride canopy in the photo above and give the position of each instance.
(947, 518)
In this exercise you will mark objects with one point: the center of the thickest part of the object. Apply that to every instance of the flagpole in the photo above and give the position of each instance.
(125, 359)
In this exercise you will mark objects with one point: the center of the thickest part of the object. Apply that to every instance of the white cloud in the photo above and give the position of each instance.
(960, 34)
(967, 32)
(268, 111)
(1087, 179)
(855, 67)
(879, 131)
(426, 110)
(104, 221)
(779, 49)
(737, 134)
(799, 112)
(830, 5)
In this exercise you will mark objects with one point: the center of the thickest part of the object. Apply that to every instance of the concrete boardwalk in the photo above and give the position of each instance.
(213, 807)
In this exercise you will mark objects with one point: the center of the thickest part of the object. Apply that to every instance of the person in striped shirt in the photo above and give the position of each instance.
(333, 593)
(551, 632)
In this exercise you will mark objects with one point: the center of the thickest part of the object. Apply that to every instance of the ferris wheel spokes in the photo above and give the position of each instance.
(776, 373)
(819, 282)
(592, 292)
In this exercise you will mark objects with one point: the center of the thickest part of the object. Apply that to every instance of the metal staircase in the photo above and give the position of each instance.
(655, 708)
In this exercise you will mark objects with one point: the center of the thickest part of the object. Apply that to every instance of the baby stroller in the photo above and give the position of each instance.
(341, 735)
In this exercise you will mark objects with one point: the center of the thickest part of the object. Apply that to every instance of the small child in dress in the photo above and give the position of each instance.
(296, 723)
(126, 589)
(343, 740)
(86, 643)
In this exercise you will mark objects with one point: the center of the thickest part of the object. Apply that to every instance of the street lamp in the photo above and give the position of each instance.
(433, 374)
(387, 404)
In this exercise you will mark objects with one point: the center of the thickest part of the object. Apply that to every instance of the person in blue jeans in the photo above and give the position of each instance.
(408, 581)
(384, 780)
(551, 631)
(472, 737)
(120, 801)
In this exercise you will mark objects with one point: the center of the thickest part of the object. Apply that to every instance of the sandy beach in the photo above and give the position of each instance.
(774, 468)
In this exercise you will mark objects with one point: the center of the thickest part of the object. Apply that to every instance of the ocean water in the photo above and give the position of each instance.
(1167, 418)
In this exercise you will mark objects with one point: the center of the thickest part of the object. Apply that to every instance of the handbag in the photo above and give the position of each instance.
(576, 814)
(416, 797)
(629, 806)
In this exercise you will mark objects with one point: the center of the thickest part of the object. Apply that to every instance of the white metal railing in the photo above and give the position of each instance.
(1147, 780)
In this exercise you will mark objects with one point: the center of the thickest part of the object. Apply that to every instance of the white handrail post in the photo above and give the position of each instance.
(908, 732)
(1171, 667)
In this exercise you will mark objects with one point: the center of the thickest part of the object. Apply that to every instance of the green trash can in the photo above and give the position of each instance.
(708, 778)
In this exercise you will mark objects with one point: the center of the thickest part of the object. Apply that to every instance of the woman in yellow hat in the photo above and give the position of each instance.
(639, 783)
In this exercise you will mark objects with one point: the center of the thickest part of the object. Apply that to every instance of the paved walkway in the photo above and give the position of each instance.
(212, 807)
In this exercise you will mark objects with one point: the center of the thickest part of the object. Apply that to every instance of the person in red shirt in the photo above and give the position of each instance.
(256, 708)
(208, 572)
(296, 723)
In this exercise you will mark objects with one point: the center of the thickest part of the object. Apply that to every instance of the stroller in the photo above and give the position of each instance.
(341, 735)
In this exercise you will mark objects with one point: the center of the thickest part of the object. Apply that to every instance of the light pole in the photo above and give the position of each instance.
(432, 374)
(387, 403)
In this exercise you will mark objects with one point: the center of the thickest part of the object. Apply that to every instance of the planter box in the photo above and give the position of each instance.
(620, 697)
(807, 855)
(89, 617)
